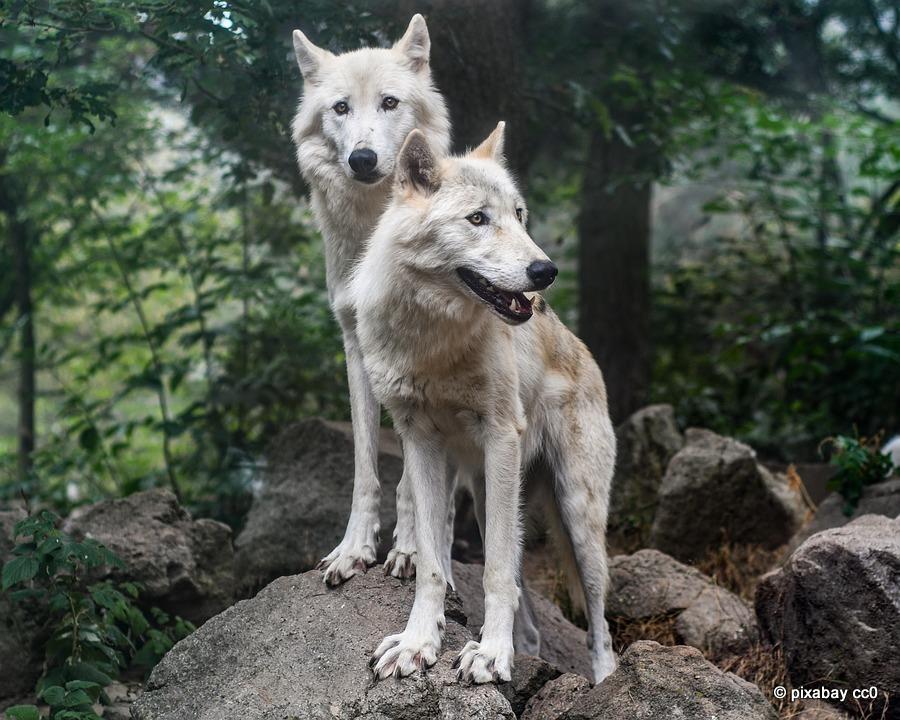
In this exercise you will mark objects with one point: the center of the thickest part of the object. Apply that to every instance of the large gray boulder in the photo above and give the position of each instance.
(185, 566)
(650, 584)
(301, 511)
(835, 609)
(645, 443)
(714, 489)
(19, 660)
(300, 650)
(563, 644)
(880, 499)
(654, 682)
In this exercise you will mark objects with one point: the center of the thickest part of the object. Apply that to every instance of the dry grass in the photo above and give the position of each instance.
(738, 568)
(764, 667)
(660, 628)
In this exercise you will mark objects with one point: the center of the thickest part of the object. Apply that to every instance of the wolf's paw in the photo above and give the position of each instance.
(603, 664)
(405, 653)
(344, 562)
(400, 564)
(483, 662)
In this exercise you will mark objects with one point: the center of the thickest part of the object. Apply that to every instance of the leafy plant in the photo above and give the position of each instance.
(859, 462)
(96, 629)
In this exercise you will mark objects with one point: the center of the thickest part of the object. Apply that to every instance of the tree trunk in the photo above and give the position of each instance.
(478, 64)
(21, 252)
(613, 269)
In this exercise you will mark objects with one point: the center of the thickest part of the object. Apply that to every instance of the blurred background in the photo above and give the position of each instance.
(719, 182)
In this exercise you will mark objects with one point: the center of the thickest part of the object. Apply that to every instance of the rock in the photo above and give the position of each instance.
(714, 489)
(556, 698)
(718, 622)
(563, 644)
(529, 675)
(835, 608)
(121, 698)
(300, 650)
(20, 662)
(651, 584)
(646, 442)
(818, 710)
(880, 499)
(184, 565)
(654, 682)
(301, 511)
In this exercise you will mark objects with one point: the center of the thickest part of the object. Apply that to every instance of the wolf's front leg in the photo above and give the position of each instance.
(356, 552)
(417, 647)
(491, 658)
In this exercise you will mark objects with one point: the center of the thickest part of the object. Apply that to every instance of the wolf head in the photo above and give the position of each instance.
(471, 218)
(358, 107)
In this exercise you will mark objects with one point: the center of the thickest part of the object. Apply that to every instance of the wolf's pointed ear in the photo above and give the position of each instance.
(309, 56)
(491, 147)
(418, 166)
(415, 43)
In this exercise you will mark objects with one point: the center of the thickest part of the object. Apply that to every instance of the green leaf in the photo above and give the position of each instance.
(20, 569)
(82, 685)
(90, 673)
(23, 712)
(76, 698)
(53, 695)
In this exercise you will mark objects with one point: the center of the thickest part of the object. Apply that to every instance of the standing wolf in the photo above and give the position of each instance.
(357, 109)
(436, 296)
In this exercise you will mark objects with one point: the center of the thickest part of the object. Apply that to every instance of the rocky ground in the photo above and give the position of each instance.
(725, 585)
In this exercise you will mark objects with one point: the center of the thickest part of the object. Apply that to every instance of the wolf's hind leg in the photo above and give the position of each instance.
(447, 543)
(401, 560)
(582, 459)
(356, 552)
(526, 635)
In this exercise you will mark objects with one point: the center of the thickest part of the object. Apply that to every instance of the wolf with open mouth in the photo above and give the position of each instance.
(448, 261)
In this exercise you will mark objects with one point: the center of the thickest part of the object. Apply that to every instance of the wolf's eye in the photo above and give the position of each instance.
(340, 107)
(520, 215)
(390, 103)
(477, 218)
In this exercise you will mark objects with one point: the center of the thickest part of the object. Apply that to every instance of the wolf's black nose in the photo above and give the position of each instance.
(363, 161)
(541, 273)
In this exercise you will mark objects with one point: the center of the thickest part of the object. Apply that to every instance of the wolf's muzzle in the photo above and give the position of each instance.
(363, 163)
(541, 273)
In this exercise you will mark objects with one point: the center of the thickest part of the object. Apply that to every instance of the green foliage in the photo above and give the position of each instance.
(96, 629)
(859, 463)
(789, 327)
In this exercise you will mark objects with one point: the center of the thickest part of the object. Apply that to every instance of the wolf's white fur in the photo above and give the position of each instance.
(346, 210)
(468, 391)
(892, 449)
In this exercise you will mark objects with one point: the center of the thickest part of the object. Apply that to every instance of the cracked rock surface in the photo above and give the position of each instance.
(301, 650)
(715, 489)
(649, 584)
(300, 512)
(835, 609)
(654, 682)
(185, 566)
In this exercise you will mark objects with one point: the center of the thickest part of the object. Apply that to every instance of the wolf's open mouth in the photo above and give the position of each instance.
(513, 306)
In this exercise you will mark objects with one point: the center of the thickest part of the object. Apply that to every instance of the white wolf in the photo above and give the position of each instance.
(357, 109)
(436, 297)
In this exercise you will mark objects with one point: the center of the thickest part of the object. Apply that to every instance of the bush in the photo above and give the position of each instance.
(96, 629)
